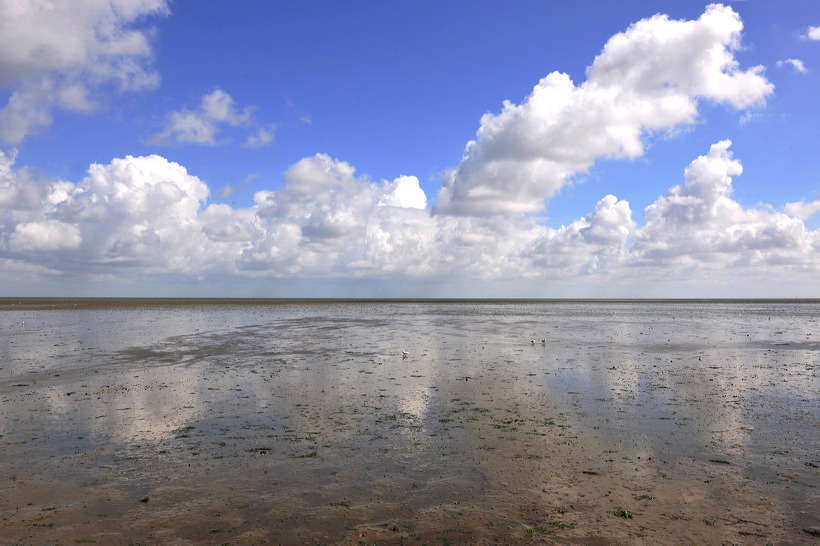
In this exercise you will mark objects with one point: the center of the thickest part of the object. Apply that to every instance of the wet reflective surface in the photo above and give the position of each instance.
(305, 422)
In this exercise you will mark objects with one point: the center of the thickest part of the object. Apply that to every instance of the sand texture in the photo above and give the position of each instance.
(304, 423)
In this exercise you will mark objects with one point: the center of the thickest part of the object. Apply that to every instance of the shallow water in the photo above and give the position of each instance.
(303, 421)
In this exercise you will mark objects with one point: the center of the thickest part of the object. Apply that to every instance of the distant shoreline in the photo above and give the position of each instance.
(58, 303)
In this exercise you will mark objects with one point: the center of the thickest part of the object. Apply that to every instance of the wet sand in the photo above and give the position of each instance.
(155, 422)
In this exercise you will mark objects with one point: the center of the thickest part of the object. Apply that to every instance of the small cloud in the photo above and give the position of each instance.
(803, 210)
(227, 190)
(219, 106)
(262, 137)
(748, 117)
(813, 33)
(797, 64)
(203, 125)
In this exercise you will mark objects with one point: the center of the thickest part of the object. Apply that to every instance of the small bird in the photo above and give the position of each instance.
(532, 341)
(404, 354)
(543, 342)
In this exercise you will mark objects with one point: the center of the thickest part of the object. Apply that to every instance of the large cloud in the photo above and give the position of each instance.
(593, 244)
(148, 215)
(140, 212)
(58, 54)
(18, 190)
(698, 226)
(325, 220)
(142, 217)
(45, 236)
(648, 78)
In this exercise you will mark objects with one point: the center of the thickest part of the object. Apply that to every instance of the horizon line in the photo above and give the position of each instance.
(5, 301)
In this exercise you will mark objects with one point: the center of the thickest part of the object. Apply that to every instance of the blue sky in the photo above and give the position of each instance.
(204, 120)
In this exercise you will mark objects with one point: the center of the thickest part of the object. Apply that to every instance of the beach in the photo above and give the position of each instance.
(413, 422)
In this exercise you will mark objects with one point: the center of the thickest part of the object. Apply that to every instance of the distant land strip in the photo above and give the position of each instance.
(46, 303)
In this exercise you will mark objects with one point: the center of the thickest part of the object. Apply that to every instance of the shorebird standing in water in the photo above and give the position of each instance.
(404, 354)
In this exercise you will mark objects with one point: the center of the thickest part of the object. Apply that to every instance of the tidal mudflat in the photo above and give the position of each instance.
(151, 422)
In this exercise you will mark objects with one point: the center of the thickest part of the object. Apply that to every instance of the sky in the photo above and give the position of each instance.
(535, 149)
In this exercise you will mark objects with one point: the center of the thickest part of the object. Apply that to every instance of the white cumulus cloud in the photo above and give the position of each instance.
(648, 78)
(57, 55)
(139, 217)
(45, 236)
(699, 223)
(404, 192)
(141, 213)
(16, 190)
(813, 33)
(326, 219)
